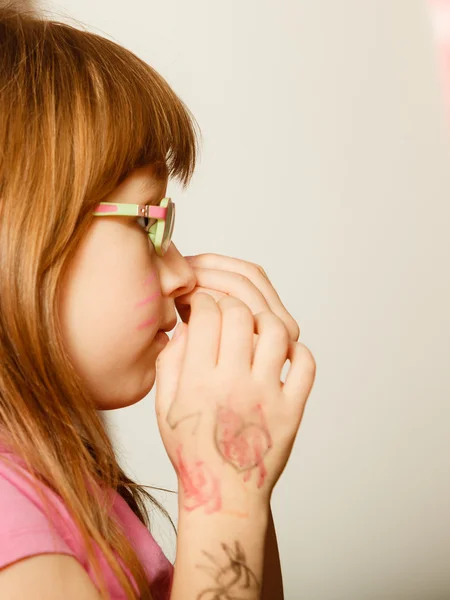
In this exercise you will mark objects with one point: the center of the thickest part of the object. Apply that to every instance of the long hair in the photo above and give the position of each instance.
(78, 113)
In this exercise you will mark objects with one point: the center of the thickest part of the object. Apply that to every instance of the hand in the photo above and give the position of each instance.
(220, 276)
(213, 383)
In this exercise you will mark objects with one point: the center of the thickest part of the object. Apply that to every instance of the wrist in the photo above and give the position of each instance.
(232, 506)
(218, 547)
(211, 528)
(222, 495)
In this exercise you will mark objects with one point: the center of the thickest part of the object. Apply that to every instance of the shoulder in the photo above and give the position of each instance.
(35, 560)
(24, 526)
(46, 576)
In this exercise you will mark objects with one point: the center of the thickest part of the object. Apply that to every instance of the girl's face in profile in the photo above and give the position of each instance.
(116, 294)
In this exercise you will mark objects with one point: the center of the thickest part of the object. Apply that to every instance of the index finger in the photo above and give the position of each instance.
(203, 334)
(253, 273)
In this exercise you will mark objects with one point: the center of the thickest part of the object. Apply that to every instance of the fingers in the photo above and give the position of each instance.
(203, 334)
(185, 299)
(222, 334)
(234, 284)
(244, 280)
(271, 350)
(219, 333)
(168, 369)
(183, 303)
(236, 342)
(302, 372)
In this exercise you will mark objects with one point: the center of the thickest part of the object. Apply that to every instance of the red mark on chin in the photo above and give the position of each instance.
(244, 444)
(201, 487)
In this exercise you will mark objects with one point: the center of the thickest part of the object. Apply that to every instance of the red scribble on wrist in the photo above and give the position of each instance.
(200, 486)
(244, 443)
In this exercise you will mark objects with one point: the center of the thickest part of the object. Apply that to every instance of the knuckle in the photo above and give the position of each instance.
(206, 258)
(200, 296)
(203, 304)
(238, 309)
(280, 333)
(242, 278)
(276, 326)
(203, 300)
(229, 302)
(259, 269)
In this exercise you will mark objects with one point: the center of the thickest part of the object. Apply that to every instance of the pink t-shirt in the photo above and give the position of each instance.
(25, 531)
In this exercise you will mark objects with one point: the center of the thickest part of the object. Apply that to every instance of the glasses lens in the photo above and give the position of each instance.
(169, 224)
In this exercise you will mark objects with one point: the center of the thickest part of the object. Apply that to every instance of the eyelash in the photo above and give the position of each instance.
(148, 222)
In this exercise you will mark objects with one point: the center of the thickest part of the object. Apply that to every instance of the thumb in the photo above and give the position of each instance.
(168, 370)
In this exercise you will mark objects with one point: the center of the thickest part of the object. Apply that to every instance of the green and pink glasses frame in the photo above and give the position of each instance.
(160, 233)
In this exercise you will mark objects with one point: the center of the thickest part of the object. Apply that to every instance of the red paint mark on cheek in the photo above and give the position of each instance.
(200, 486)
(244, 444)
(149, 299)
(146, 323)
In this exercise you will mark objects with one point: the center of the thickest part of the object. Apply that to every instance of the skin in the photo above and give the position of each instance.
(116, 294)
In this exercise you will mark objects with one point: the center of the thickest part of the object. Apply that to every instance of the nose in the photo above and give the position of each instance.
(176, 275)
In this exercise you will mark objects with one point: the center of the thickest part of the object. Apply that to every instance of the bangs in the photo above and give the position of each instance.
(124, 113)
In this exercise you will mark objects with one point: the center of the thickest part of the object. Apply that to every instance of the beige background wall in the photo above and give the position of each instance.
(323, 126)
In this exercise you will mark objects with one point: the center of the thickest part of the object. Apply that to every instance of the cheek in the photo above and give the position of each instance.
(111, 298)
(147, 310)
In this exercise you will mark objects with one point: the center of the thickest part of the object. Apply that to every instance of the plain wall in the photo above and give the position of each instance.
(326, 160)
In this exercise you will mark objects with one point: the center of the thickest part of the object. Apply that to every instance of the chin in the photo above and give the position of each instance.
(128, 400)
(111, 405)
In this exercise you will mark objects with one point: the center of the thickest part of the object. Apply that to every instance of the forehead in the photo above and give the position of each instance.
(152, 185)
(142, 186)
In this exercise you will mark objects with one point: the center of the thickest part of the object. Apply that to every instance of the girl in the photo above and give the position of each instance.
(89, 280)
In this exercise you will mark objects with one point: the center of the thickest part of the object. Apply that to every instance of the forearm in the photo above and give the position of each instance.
(220, 555)
(272, 588)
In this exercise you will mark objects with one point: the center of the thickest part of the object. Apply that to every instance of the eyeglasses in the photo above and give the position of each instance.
(160, 233)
